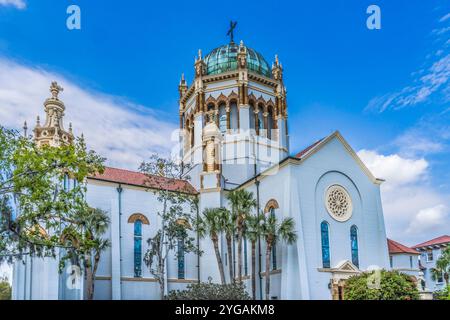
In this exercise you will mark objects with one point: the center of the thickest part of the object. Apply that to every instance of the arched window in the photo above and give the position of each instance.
(222, 119)
(274, 248)
(234, 117)
(180, 256)
(252, 117)
(138, 248)
(325, 244)
(354, 245)
(245, 257)
(138, 219)
(260, 118)
(270, 125)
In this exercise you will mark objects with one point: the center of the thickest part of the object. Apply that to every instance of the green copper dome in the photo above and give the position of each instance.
(224, 59)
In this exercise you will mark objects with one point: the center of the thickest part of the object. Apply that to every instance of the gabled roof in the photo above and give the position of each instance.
(395, 247)
(436, 241)
(142, 180)
(307, 152)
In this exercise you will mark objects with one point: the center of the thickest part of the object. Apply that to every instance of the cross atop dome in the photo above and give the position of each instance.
(231, 30)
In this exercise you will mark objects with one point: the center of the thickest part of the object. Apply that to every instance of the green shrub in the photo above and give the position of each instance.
(443, 294)
(393, 285)
(5, 290)
(210, 291)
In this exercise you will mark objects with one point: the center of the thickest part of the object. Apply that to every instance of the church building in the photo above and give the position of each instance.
(234, 121)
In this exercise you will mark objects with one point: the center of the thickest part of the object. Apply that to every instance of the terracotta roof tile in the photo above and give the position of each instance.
(395, 247)
(435, 241)
(143, 180)
(306, 150)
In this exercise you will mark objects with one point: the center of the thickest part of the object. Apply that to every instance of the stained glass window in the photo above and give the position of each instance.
(245, 257)
(180, 257)
(354, 244)
(274, 249)
(138, 248)
(325, 244)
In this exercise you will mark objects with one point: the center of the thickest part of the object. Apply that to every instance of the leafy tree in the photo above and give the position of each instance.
(228, 226)
(443, 294)
(39, 214)
(211, 224)
(85, 239)
(253, 231)
(210, 291)
(442, 268)
(175, 196)
(31, 186)
(273, 232)
(5, 289)
(242, 202)
(393, 286)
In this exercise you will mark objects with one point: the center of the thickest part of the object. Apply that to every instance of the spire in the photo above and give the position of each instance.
(52, 132)
(199, 65)
(55, 89)
(277, 69)
(182, 87)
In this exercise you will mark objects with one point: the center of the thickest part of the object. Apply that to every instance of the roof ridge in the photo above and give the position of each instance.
(430, 242)
(146, 174)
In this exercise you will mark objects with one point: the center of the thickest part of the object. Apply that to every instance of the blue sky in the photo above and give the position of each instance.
(386, 90)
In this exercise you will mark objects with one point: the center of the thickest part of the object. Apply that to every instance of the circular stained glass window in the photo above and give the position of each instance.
(338, 203)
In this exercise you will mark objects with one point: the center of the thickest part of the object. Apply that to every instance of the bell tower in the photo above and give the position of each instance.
(52, 132)
(236, 89)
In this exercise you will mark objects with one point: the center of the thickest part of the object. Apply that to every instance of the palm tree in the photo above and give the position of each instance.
(228, 226)
(211, 224)
(273, 232)
(253, 231)
(442, 268)
(85, 236)
(242, 202)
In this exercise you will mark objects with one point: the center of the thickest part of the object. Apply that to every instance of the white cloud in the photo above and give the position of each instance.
(429, 83)
(123, 132)
(413, 209)
(444, 18)
(429, 219)
(19, 4)
(394, 169)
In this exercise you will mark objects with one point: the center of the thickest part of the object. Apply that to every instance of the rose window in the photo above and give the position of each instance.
(338, 203)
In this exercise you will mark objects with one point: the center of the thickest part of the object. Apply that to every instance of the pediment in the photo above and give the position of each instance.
(346, 266)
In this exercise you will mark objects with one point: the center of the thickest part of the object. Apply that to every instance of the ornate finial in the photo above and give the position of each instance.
(38, 121)
(70, 127)
(182, 77)
(25, 129)
(276, 59)
(241, 44)
(55, 89)
(200, 54)
(231, 31)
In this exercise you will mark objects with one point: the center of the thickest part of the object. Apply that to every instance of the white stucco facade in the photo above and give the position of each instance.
(249, 150)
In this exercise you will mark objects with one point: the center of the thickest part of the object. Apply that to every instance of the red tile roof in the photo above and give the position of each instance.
(306, 150)
(395, 247)
(435, 241)
(143, 180)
